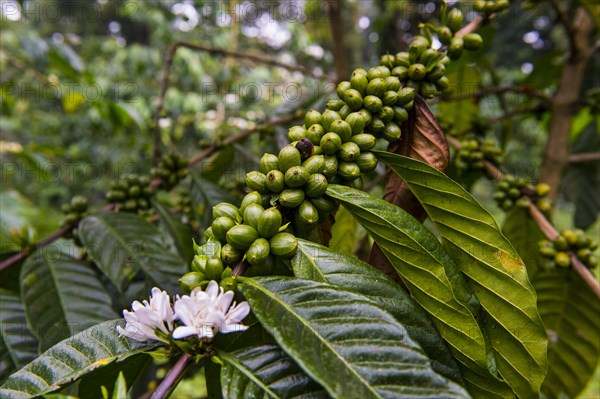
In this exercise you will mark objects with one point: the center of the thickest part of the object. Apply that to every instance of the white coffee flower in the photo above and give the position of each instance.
(205, 313)
(147, 317)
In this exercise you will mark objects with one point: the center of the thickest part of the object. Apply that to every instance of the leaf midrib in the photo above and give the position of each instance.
(233, 361)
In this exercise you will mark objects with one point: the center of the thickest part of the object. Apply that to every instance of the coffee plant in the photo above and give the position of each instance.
(253, 291)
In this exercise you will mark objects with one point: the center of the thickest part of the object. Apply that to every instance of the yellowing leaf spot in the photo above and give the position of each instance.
(509, 262)
(101, 362)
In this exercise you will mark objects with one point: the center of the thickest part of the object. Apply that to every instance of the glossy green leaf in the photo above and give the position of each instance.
(180, 233)
(318, 263)
(71, 359)
(18, 346)
(433, 281)
(524, 234)
(62, 295)
(343, 232)
(344, 341)
(121, 244)
(570, 311)
(493, 268)
(265, 372)
(120, 389)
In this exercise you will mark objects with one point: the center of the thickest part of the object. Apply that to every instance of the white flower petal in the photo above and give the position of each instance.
(184, 332)
(229, 328)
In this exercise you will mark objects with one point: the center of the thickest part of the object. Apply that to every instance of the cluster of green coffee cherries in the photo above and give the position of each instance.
(132, 194)
(424, 68)
(251, 233)
(513, 191)
(574, 241)
(491, 6)
(74, 211)
(474, 153)
(171, 169)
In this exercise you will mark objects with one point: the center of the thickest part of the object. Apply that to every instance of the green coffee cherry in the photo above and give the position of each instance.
(353, 99)
(291, 198)
(442, 83)
(390, 98)
(455, 19)
(387, 60)
(214, 269)
(268, 162)
(314, 164)
(306, 217)
(402, 59)
(221, 226)
(324, 204)
(376, 87)
(356, 121)
(258, 252)
(367, 162)
(386, 114)
(377, 125)
(342, 129)
(417, 46)
(314, 134)
(428, 90)
(562, 259)
(542, 189)
(348, 170)
(344, 112)
(241, 236)
(191, 280)
(349, 151)
(256, 181)
(400, 72)
(436, 72)
(275, 181)
(334, 105)
(330, 143)
(342, 87)
(251, 198)
(231, 255)
(364, 141)
(284, 245)
(269, 222)
(366, 114)
(356, 183)
(316, 186)
(417, 71)
(392, 132)
(472, 41)
(313, 117)
(444, 34)
(327, 119)
(400, 114)
(252, 214)
(288, 156)
(372, 103)
(392, 83)
(295, 133)
(226, 209)
(330, 165)
(407, 95)
(296, 176)
(378, 72)
(359, 82)
(228, 284)
(455, 48)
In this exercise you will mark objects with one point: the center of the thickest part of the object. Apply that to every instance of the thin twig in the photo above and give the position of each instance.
(164, 80)
(173, 377)
(584, 157)
(337, 38)
(237, 137)
(472, 26)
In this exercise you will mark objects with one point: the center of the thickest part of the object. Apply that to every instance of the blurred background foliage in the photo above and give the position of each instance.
(80, 82)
